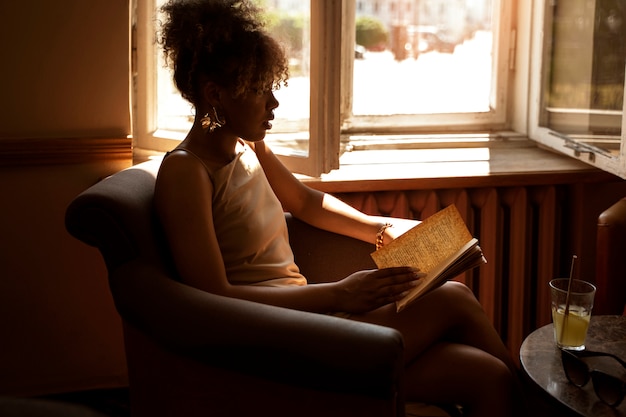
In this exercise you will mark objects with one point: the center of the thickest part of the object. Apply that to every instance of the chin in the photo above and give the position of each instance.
(256, 137)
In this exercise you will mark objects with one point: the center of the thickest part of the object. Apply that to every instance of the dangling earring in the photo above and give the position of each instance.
(211, 123)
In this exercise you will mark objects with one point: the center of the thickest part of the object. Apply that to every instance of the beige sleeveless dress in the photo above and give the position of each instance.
(250, 225)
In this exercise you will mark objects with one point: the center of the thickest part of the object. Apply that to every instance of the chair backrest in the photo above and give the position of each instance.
(611, 260)
(117, 216)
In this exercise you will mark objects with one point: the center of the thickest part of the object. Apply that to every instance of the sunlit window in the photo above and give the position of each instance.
(369, 67)
(288, 21)
(423, 57)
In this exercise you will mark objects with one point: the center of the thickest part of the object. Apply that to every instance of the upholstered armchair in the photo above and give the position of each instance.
(191, 353)
(611, 260)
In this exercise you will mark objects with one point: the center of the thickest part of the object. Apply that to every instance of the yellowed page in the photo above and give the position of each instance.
(430, 246)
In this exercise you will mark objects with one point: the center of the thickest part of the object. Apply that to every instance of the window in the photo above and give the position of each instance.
(435, 67)
(580, 87)
(369, 74)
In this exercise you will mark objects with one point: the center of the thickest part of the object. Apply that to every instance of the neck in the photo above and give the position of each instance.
(218, 145)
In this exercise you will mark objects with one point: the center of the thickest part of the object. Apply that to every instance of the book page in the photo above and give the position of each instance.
(428, 244)
(439, 246)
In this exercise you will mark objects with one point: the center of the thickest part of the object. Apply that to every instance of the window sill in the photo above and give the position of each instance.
(501, 163)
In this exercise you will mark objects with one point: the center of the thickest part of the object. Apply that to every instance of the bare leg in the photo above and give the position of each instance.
(452, 352)
(460, 374)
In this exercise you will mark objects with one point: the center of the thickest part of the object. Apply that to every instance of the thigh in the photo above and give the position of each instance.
(448, 313)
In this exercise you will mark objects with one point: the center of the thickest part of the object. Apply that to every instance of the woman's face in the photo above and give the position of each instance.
(249, 116)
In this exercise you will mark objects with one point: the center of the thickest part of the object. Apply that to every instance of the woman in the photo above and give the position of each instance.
(220, 196)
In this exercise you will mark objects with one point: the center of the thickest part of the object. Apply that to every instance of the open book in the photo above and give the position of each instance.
(440, 246)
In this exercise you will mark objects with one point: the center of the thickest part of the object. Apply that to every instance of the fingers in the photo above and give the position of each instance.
(396, 283)
(400, 274)
(369, 289)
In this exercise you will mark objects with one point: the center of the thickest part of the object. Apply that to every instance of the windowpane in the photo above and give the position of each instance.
(422, 57)
(289, 22)
(411, 58)
(584, 87)
(174, 113)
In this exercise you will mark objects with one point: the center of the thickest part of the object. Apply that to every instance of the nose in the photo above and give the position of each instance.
(272, 103)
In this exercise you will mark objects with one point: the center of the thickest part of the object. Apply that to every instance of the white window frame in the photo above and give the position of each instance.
(324, 123)
(331, 81)
(494, 119)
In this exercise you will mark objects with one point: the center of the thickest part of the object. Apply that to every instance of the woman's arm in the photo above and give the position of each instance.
(183, 199)
(323, 210)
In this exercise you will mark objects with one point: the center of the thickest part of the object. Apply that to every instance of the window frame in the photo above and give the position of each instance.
(495, 119)
(324, 123)
(546, 136)
(327, 18)
(331, 122)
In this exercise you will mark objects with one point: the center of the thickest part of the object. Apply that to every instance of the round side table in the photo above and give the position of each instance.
(541, 361)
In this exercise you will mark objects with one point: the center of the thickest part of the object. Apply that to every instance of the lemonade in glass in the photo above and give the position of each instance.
(570, 330)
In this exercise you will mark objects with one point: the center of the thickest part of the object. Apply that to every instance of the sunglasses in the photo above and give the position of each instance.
(609, 389)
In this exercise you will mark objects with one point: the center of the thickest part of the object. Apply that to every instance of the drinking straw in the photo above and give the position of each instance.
(569, 291)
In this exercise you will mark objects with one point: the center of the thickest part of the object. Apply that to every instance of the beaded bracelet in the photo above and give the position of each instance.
(379, 235)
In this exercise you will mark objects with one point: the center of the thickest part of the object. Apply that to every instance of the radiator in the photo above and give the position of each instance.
(519, 230)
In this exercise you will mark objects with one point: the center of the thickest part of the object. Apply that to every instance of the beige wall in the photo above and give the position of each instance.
(64, 123)
(65, 68)
(59, 329)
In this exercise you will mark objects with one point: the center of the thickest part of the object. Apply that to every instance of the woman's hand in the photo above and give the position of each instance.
(367, 290)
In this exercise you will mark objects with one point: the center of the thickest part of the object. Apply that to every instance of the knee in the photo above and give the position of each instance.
(459, 291)
(461, 296)
(494, 376)
(458, 286)
(501, 374)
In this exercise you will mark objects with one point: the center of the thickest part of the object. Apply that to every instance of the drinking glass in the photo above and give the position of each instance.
(570, 330)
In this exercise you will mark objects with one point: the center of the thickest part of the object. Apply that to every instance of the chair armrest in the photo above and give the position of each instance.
(289, 346)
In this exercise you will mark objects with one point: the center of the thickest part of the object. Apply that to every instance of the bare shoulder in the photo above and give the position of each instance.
(180, 164)
(182, 172)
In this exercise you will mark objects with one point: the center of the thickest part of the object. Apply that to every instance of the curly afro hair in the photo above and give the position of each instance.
(223, 41)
